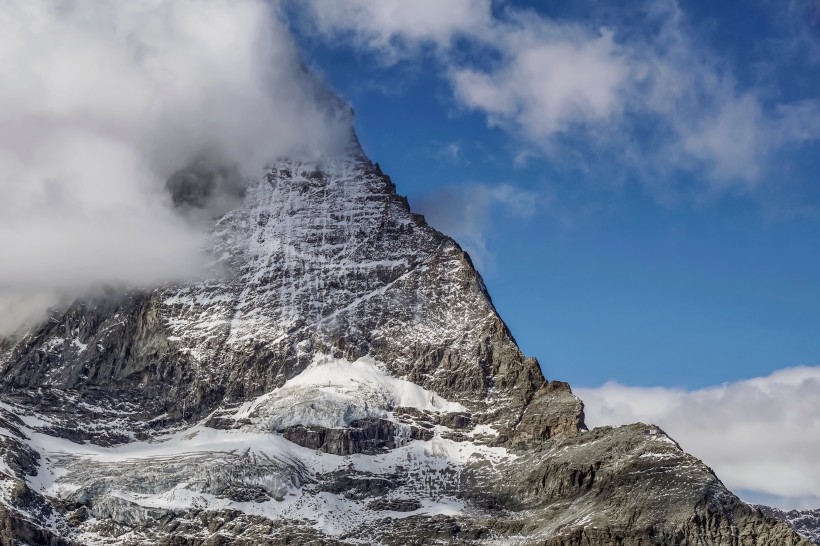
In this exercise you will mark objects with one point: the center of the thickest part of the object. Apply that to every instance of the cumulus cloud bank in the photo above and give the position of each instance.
(551, 82)
(761, 435)
(102, 102)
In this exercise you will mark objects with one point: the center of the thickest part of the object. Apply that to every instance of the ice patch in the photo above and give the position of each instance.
(333, 392)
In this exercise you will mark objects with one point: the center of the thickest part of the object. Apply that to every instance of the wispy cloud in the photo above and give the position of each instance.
(398, 29)
(466, 213)
(451, 151)
(761, 435)
(652, 98)
(550, 78)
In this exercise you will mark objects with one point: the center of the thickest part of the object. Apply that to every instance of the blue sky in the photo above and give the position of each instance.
(611, 253)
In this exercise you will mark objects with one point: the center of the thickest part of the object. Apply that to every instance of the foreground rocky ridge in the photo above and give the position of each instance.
(344, 380)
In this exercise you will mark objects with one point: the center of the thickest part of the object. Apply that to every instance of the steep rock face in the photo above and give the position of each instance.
(319, 259)
(343, 379)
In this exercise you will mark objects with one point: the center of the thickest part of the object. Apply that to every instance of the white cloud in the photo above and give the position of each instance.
(545, 86)
(396, 28)
(103, 101)
(659, 101)
(465, 213)
(727, 134)
(761, 436)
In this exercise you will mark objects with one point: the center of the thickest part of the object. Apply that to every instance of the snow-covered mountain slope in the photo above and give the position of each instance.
(344, 378)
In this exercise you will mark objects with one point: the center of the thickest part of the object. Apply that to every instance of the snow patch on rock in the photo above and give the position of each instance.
(334, 392)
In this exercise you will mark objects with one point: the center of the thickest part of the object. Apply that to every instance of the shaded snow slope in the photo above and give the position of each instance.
(254, 473)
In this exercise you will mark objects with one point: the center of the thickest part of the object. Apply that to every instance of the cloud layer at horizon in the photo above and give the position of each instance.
(109, 99)
(760, 435)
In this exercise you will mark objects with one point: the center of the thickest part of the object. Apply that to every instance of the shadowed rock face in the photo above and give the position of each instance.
(343, 377)
(206, 189)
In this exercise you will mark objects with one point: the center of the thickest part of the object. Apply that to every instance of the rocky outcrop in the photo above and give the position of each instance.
(367, 436)
(341, 378)
(805, 522)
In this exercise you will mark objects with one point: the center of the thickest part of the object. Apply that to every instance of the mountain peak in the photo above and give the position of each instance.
(320, 258)
(346, 366)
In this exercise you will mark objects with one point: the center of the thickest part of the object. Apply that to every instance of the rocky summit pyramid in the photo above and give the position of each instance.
(344, 380)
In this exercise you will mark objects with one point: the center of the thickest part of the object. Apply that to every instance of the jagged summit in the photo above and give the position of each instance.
(319, 259)
(346, 379)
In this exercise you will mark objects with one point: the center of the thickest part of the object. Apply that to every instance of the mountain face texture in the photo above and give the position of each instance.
(805, 522)
(343, 379)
